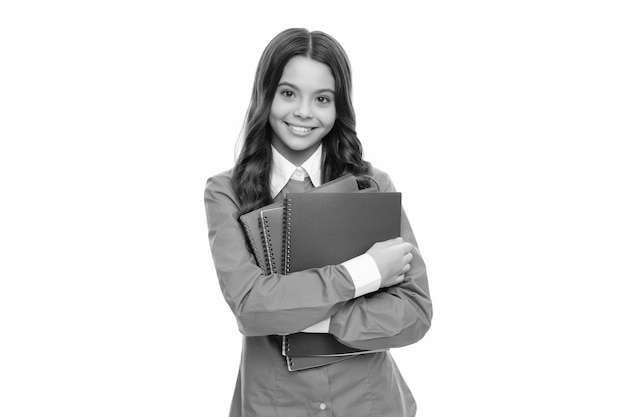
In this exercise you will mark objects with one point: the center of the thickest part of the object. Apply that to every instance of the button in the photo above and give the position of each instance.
(322, 406)
(298, 174)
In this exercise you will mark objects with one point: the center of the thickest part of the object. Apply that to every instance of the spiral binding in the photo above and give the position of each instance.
(255, 250)
(285, 346)
(287, 237)
(267, 243)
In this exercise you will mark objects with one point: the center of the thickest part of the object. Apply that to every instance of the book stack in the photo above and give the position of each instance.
(328, 225)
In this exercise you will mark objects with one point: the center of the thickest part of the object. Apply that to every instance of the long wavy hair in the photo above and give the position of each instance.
(342, 150)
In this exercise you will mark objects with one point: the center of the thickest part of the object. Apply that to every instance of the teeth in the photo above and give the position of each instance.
(300, 129)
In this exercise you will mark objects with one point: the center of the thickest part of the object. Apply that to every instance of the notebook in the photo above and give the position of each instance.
(252, 226)
(272, 228)
(266, 244)
(300, 363)
(272, 220)
(327, 229)
(317, 344)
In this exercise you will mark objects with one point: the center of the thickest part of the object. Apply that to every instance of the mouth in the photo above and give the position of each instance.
(299, 129)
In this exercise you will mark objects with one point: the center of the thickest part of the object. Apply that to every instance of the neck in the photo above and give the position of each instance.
(295, 157)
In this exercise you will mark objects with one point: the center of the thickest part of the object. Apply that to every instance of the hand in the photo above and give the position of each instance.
(393, 259)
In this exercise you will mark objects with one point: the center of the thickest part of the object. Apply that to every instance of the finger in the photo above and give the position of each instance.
(403, 247)
(399, 279)
(407, 258)
(406, 268)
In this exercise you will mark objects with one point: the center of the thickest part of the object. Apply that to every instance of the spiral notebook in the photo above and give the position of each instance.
(301, 363)
(317, 344)
(272, 235)
(265, 240)
(254, 233)
(328, 229)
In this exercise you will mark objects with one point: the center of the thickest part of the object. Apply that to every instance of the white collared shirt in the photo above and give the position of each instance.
(362, 269)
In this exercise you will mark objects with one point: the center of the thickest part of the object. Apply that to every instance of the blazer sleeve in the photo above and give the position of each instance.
(391, 317)
(266, 304)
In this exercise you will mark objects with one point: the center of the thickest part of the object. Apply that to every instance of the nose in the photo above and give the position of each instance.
(303, 110)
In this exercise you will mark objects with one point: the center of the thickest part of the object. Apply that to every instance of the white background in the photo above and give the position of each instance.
(502, 122)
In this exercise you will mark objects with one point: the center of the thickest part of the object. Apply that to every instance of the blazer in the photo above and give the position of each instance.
(269, 305)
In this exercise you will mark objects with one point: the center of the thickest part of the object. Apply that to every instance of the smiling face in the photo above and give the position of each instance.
(303, 108)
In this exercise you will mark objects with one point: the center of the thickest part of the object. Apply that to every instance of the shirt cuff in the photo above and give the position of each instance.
(364, 273)
(321, 327)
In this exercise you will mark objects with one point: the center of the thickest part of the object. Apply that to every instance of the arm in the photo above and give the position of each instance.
(394, 316)
(266, 304)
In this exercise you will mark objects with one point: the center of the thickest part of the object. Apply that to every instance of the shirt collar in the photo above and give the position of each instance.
(283, 170)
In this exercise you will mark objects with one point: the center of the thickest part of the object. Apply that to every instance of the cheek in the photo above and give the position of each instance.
(329, 117)
(274, 117)
(273, 111)
(279, 109)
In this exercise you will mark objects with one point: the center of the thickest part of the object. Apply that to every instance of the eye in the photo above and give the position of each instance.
(323, 99)
(287, 93)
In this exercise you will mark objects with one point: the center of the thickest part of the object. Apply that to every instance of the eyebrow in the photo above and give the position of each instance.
(323, 90)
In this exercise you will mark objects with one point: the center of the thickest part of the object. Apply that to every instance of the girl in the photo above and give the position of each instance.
(299, 132)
